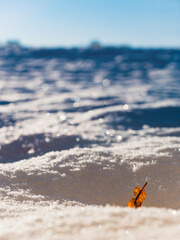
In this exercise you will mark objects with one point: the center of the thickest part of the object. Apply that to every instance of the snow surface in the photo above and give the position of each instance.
(79, 129)
(53, 221)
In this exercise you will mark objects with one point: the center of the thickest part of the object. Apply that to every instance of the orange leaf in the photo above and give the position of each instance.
(140, 196)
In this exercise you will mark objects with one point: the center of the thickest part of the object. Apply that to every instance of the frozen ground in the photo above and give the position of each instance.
(79, 129)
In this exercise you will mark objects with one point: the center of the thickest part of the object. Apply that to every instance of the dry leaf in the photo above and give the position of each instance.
(140, 196)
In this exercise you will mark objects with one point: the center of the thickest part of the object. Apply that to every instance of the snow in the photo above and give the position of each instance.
(54, 221)
(79, 129)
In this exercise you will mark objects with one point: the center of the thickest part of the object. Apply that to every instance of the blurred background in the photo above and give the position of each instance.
(89, 94)
(68, 23)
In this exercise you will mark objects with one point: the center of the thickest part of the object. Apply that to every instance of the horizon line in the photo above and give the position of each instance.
(94, 44)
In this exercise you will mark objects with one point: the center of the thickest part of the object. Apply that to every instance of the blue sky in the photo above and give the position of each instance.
(78, 22)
